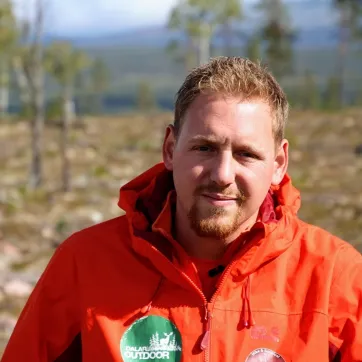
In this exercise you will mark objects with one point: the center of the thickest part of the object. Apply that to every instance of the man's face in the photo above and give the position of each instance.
(223, 163)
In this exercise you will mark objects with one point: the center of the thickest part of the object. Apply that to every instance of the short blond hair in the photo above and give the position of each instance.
(234, 76)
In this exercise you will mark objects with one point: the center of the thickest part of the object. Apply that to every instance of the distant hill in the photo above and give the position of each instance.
(136, 55)
(315, 22)
(160, 36)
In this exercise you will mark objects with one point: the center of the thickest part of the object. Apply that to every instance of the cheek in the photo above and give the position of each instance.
(187, 167)
(255, 178)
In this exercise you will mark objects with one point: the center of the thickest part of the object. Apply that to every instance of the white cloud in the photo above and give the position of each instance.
(92, 16)
(102, 16)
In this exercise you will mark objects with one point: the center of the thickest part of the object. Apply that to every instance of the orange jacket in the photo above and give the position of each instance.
(292, 293)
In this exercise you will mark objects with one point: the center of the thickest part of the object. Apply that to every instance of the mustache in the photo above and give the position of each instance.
(225, 191)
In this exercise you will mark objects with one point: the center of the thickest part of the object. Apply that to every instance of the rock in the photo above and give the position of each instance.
(8, 254)
(48, 233)
(10, 250)
(80, 182)
(358, 150)
(17, 288)
(96, 217)
(7, 324)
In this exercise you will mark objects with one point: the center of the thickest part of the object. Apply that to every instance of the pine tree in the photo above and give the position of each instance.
(277, 35)
(311, 93)
(145, 97)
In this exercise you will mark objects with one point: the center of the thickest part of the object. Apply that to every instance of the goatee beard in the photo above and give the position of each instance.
(219, 223)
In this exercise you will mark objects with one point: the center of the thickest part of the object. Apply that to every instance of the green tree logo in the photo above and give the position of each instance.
(151, 338)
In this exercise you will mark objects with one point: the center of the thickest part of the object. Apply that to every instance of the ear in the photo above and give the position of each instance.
(168, 147)
(280, 163)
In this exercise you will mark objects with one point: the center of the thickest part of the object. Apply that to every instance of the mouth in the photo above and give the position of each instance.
(219, 199)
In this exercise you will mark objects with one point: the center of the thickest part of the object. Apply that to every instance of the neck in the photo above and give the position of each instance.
(205, 247)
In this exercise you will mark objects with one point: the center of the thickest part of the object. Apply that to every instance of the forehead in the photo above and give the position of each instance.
(229, 118)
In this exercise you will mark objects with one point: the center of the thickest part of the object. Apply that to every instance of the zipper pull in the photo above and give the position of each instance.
(146, 308)
(205, 340)
(206, 337)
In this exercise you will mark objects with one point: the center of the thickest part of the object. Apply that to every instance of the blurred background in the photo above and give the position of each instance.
(87, 88)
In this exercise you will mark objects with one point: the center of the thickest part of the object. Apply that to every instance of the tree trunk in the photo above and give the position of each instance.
(4, 89)
(22, 82)
(37, 124)
(189, 59)
(228, 39)
(342, 52)
(204, 44)
(68, 115)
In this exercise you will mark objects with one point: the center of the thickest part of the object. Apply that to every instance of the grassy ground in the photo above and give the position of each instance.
(109, 151)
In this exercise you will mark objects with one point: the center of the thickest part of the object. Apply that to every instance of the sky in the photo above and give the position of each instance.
(98, 16)
(92, 17)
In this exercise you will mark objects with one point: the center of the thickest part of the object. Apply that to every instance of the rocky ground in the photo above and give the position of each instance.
(326, 165)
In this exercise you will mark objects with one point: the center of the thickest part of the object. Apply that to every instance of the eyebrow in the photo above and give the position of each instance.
(206, 139)
(215, 142)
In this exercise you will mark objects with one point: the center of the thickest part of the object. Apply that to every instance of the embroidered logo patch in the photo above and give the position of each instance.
(264, 333)
(264, 355)
(151, 338)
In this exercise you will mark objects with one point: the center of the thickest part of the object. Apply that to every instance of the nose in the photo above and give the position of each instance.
(222, 169)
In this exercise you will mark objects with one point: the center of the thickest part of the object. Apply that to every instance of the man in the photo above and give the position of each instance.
(210, 262)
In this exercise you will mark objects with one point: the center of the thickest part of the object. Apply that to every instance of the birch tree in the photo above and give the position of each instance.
(64, 64)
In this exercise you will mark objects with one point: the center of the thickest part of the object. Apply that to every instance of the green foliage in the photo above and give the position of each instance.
(99, 79)
(350, 28)
(183, 55)
(26, 111)
(100, 171)
(197, 19)
(358, 97)
(231, 10)
(253, 48)
(311, 94)
(145, 97)
(8, 27)
(64, 62)
(277, 35)
(8, 38)
(54, 109)
(99, 75)
(350, 16)
(332, 94)
(61, 226)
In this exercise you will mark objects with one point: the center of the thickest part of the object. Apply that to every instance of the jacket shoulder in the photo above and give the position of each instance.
(102, 233)
(315, 238)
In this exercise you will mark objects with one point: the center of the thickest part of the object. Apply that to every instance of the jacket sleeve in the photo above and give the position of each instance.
(50, 320)
(345, 310)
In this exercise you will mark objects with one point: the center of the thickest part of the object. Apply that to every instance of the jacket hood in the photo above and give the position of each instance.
(144, 198)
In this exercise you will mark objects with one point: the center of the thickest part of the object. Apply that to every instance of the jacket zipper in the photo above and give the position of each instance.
(206, 339)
